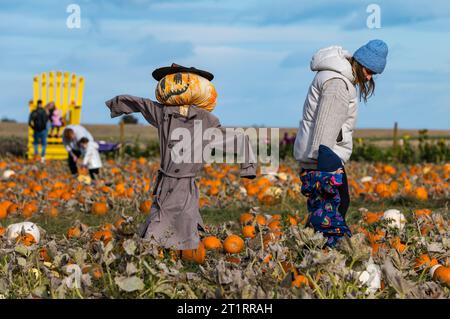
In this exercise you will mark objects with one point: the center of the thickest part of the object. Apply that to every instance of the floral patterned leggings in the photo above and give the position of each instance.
(343, 192)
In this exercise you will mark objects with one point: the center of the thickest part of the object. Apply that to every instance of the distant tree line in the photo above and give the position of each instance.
(129, 119)
(7, 120)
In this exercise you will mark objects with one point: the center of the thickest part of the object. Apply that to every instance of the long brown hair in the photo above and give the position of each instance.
(366, 88)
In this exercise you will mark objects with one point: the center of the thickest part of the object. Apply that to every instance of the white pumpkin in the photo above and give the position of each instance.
(397, 219)
(366, 179)
(8, 173)
(15, 230)
(243, 191)
(371, 277)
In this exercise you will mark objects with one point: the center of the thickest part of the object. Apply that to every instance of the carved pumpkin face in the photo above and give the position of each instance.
(184, 88)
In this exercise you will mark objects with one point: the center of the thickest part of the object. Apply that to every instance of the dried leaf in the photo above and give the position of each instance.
(129, 246)
(129, 284)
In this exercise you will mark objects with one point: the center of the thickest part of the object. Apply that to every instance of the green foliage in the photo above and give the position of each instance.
(436, 150)
(129, 119)
(286, 151)
(138, 149)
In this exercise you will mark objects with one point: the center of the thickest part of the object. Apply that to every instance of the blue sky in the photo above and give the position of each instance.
(259, 52)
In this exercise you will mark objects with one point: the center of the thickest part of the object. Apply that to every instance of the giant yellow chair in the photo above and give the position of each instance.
(66, 91)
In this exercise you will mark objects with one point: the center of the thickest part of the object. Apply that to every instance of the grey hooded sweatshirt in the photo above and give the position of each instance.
(330, 108)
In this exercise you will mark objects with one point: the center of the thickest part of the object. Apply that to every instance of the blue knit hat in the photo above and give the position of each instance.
(372, 55)
(328, 161)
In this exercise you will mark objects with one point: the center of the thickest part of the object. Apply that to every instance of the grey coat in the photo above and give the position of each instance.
(174, 219)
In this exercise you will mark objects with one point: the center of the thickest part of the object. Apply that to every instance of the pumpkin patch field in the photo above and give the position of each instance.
(79, 239)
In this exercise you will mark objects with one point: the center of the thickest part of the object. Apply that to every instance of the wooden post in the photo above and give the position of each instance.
(122, 136)
(395, 141)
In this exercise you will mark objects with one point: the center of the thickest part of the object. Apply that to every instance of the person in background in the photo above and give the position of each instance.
(72, 134)
(38, 122)
(91, 156)
(56, 120)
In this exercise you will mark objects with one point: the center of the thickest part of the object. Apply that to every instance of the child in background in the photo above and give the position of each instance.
(55, 119)
(91, 156)
(321, 188)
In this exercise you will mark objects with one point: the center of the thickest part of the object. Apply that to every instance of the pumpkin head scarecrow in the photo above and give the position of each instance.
(186, 98)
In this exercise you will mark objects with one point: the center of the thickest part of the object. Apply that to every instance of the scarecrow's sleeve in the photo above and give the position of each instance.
(235, 143)
(126, 104)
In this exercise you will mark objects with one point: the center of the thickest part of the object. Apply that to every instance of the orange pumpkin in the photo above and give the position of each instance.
(73, 232)
(198, 255)
(389, 169)
(145, 206)
(421, 193)
(287, 266)
(275, 217)
(422, 213)
(13, 209)
(292, 220)
(371, 218)
(274, 225)
(120, 188)
(66, 196)
(249, 231)
(300, 280)
(43, 255)
(376, 236)
(3, 212)
(53, 211)
(383, 190)
(99, 208)
(395, 243)
(245, 218)
(267, 258)
(26, 239)
(96, 271)
(441, 274)
(29, 210)
(118, 223)
(233, 244)
(129, 192)
(212, 243)
(424, 260)
(103, 235)
(260, 220)
(6, 204)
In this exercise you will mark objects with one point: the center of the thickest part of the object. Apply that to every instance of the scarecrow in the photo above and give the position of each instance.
(186, 98)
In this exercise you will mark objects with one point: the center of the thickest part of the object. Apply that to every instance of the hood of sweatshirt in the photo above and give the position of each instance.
(333, 58)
